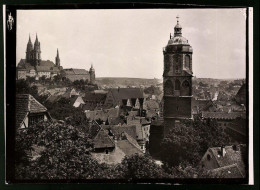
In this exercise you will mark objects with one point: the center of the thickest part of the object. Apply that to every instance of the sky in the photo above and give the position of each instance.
(129, 43)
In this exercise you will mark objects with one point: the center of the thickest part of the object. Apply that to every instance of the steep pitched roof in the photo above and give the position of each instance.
(127, 93)
(222, 115)
(232, 156)
(118, 130)
(25, 103)
(47, 63)
(102, 140)
(231, 171)
(129, 146)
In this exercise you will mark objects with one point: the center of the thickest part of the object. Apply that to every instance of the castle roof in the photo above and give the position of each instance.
(73, 71)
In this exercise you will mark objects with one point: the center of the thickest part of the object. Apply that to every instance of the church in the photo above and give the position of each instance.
(177, 86)
(34, 66)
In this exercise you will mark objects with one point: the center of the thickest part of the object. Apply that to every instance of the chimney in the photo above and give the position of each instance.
(223, 151)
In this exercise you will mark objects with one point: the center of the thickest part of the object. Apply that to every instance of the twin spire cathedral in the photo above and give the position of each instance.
(33, 53)
(34, 66)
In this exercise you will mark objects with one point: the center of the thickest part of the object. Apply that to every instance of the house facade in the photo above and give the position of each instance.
(29, 111)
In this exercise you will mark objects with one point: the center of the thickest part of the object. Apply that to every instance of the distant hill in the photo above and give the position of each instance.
(123, 81)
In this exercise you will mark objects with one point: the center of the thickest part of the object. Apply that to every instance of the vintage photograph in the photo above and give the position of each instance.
(131, 94)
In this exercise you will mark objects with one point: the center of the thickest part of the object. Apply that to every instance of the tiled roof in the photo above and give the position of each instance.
(231, 157)
(242, 91)
(94, 129)
(102, 140)
(127, 93)
(129, 146)
(92, 97)
(25, 103)
(43, 68)
(222, 115)
(73, 71)
(47, 63)
(231, 171)
(118, 130)
(53, 98)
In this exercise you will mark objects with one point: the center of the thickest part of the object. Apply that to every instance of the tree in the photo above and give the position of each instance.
(189, 141)
(141, 167)
(64, 153)
(23, 87)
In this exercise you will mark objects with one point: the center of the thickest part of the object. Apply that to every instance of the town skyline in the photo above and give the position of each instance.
(111, 49)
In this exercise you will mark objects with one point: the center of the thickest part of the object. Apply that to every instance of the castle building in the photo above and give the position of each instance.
(34, 66)
(73, 74)
(177, 79)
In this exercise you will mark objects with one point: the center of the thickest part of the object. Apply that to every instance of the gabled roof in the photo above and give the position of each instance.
(94, 129)
(118, 130)
(231, 156)
(25, 104)
(231, 171)
(242, 91)
(127, 93)
(222, 115)
(129, 145)
(102, 140)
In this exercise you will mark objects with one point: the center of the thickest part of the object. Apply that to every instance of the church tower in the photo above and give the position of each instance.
(177, 79)
(57, 60)
(37, 51)
(92, 75)
(29, 50)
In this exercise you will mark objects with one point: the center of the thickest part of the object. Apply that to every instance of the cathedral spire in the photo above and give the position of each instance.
(58, 53)
(30, 38)
(57, 58)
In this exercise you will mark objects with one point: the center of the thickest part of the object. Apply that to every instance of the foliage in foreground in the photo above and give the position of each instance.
(188, 142)
(61, 151)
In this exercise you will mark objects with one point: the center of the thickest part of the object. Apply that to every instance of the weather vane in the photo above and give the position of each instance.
(177, 18)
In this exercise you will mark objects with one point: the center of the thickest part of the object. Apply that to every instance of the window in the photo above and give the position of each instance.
(187, 61)
(106, 151)
(35, 119)
(208, 157)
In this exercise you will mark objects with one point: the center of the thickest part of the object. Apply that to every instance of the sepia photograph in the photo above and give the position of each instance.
(130, 95)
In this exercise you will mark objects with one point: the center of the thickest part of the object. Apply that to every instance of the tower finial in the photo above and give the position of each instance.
(29, 37)
(177, 18)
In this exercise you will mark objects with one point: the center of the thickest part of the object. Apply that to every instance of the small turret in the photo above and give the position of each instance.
(92, 75)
